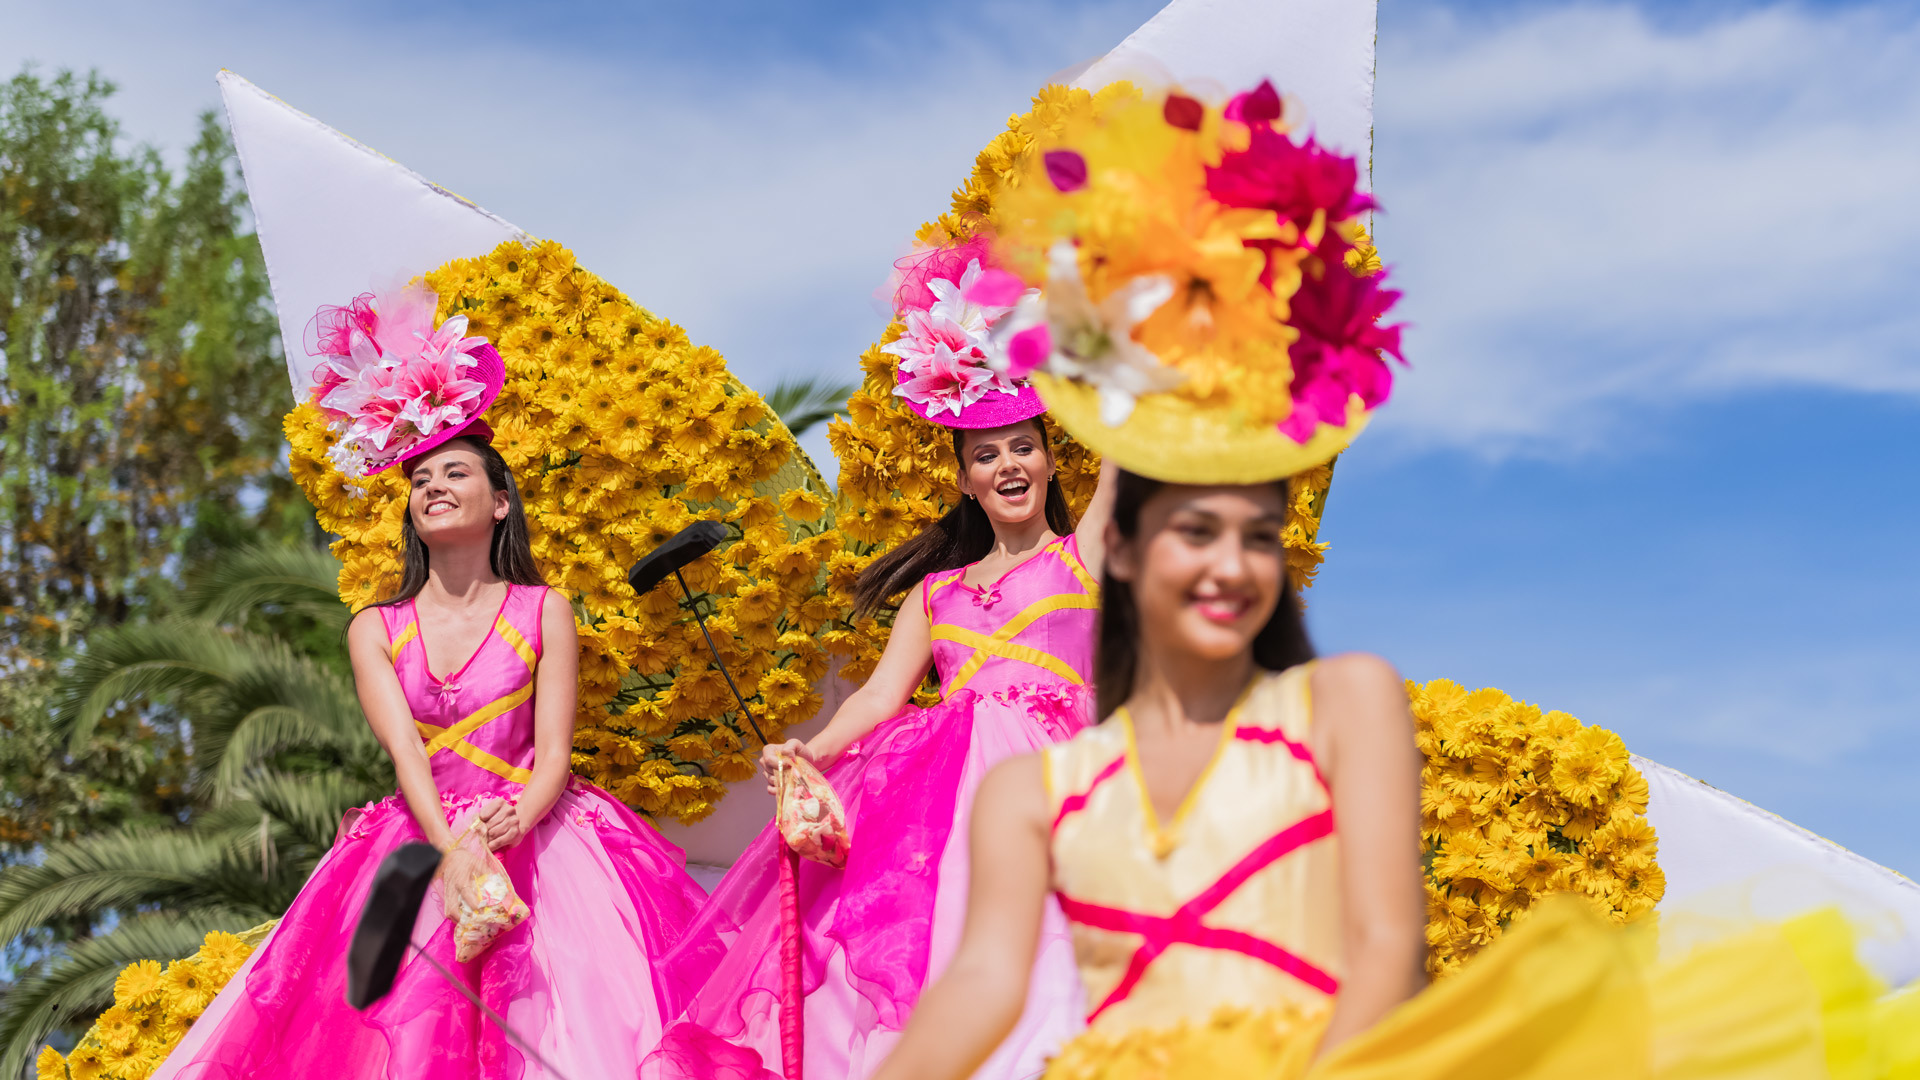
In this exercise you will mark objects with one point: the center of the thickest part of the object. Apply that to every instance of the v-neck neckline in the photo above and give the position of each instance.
(1004, 574)
(426, 656)
(1163, 837)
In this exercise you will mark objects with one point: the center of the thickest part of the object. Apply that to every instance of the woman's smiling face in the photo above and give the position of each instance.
(452, 500)
(1206, 567)
(1007, 470)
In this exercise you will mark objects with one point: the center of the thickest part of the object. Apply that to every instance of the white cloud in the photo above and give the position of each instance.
(1593, 214)
(758, 205)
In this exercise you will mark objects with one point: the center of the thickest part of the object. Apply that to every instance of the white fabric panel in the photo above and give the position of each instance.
(336, 218)
(714, 842)
(1724, 856)
(1317, 52)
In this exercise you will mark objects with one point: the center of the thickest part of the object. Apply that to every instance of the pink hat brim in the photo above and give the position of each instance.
(997, 409)
(492, 373)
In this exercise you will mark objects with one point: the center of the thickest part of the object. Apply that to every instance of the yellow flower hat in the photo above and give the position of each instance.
(1175, 439)
(1194, 295)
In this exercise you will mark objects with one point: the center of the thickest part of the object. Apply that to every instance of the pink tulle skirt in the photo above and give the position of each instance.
(578, 979)
(876, 933)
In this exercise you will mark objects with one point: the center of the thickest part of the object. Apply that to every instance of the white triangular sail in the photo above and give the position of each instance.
(1317, 52)
(336, 218)
(1724, 856)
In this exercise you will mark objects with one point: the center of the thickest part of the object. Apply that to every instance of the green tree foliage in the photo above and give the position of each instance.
(141, 389)
(140, 382)
(802, 403)
(281, 752)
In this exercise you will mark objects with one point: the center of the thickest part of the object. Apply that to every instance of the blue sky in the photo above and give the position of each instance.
(1655, 463)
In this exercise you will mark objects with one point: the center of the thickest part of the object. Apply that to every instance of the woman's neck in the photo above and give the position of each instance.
(461, 574)
(1176, 691)
(1018, 539)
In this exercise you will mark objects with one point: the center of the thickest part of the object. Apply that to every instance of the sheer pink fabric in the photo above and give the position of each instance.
(607, 894)
(876, 933)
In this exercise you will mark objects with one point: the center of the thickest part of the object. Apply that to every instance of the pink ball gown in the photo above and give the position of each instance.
(1013, 660)
(608, 895)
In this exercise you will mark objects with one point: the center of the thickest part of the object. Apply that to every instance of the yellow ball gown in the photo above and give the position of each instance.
(1210, 948)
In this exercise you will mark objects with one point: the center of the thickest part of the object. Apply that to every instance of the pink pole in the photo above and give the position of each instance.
(792, 989)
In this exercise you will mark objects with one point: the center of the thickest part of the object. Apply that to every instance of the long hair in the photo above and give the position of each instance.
(964, 535)
(1279, 645)
(511, 557)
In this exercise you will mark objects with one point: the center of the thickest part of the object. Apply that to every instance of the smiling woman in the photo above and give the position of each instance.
(468, 676)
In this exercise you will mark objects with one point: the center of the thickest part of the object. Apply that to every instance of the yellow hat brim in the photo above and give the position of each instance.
(1178, 441)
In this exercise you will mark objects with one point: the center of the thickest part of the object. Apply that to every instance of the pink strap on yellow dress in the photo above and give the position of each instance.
(1210, 947)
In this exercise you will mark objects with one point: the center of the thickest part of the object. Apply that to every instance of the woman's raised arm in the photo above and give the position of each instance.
(904, 663)
(1091, 532)
(962, 1018)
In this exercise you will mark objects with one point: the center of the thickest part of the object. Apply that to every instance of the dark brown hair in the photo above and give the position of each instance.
(1279, 645)
(964, 535)
(511, 558)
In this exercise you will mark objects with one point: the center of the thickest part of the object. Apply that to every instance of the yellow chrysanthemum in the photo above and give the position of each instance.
(116, 1029)
(139, 984)
(188, 991)
(86, 1063)
(620, 432)
(366, 579)
(1516, 804)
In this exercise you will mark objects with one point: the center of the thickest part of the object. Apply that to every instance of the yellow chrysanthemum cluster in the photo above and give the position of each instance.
(620, 432)
(897, 470)
(1515, 804)
(153, 1005)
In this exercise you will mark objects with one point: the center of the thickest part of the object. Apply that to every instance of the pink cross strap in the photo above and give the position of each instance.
(1184, 927)
(1078, 800)
(1275, 735)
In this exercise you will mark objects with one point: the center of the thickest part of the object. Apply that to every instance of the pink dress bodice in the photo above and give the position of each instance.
(1030, 630)
(477, 723)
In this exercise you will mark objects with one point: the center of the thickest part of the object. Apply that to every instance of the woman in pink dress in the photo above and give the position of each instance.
(1000, 600)
(468, 677)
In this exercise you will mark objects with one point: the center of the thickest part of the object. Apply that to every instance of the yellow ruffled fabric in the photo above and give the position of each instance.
(1567, 995)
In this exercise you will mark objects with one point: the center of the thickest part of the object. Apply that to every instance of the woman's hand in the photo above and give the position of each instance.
(771, 754)
(503, 823)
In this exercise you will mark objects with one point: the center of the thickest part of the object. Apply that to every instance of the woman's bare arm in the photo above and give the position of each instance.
(1092, 530)
(1363, 737)
(385, 704)
(904, 663)
(962, 1018)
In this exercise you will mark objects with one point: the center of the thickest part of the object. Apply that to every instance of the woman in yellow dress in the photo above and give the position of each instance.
(1236, 844)
(1236, 848)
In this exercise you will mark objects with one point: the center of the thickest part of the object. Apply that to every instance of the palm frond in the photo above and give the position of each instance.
(125, 871)
(79, 983)
(309, 806)
(801, 403)
(295, 578)
(269, 729)
(278, 699)
(176, 660)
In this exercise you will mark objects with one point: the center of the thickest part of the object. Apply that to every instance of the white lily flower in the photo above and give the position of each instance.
(1090, 342)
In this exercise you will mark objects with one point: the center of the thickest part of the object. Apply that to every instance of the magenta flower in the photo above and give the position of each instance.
(1297, 182)
(431, 394)
(945, 381)
(1260, 105)
(1338, 353)
(1067, 169)
(1062, 710)
(1183, 112)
